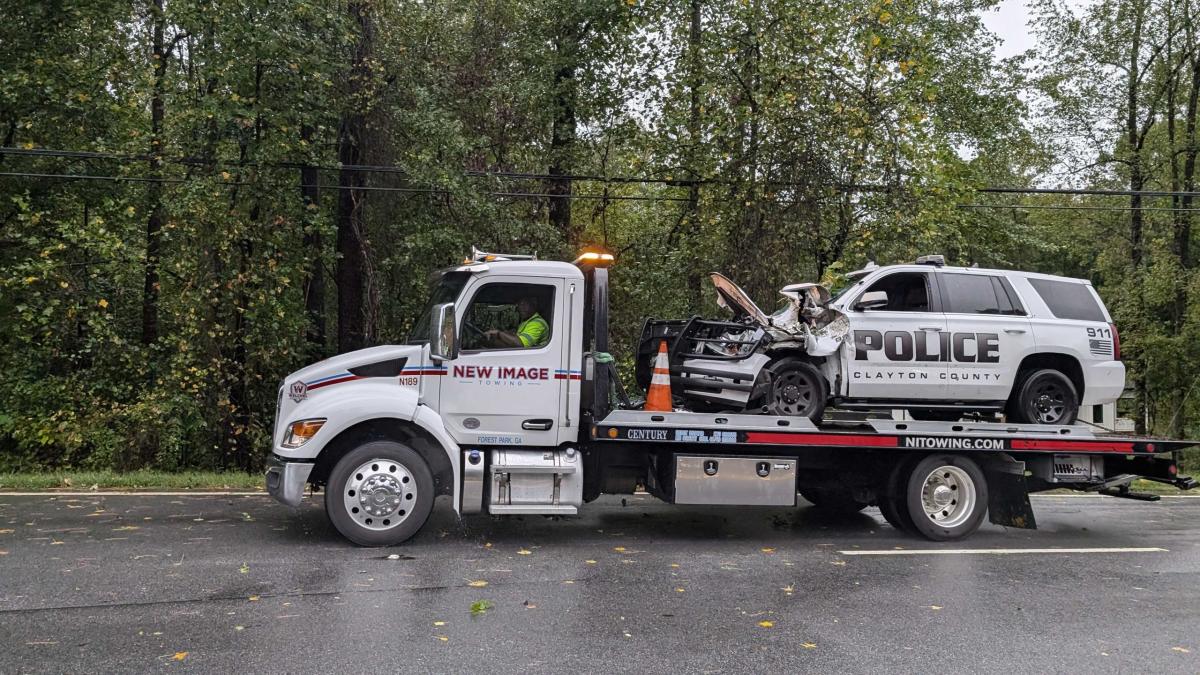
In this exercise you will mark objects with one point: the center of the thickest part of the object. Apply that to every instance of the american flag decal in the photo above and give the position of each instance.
(1100, 347)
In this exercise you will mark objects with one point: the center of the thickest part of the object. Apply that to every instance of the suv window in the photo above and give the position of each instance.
(1069, 300)
(509, 316)
(975, 294)
(907, 291)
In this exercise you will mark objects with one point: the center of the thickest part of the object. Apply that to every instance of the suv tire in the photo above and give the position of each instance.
(1044, 396)
(795, 388)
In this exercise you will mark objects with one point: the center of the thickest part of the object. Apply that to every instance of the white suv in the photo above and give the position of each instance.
(936, 340)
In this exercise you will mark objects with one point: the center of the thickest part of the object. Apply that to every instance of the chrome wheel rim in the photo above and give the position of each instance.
(379, 494)
(948, 496)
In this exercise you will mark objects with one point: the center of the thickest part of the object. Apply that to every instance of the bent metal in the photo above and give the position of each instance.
(900, 345)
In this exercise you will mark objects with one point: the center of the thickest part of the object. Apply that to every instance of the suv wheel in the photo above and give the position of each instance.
(796, 389)
(1044, 397)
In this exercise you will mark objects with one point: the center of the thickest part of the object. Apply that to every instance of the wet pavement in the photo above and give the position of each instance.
(240, 583)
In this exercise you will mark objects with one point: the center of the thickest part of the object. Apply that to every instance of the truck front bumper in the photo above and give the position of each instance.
(286, 480)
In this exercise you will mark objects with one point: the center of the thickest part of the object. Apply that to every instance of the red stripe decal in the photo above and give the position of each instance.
(775, 438)
(1092, 446)
(564, 376)
(326, 383)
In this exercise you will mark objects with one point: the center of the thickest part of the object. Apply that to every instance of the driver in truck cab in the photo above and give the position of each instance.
(532, 332)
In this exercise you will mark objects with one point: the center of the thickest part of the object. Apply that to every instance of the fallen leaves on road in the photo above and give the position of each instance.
(839, 563)
(767, 549)
(439, 623)
(443, 638)
(789, 589)
(524, 551)
(679, 589)
(808, 645)
(619, 549)
(766, 624)
(1181, 650)
(935, 607)
(590, 562)
(254, 598)
(6, 531)
(126, 528)
(480, 606)
(477, 584)
(179, 656)
(244, 569)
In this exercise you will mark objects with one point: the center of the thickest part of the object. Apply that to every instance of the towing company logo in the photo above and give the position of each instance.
(298, 391)
(900, 347)
(511, 375)
(952, 443)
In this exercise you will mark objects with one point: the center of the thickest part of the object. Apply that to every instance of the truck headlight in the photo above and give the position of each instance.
(300, 432)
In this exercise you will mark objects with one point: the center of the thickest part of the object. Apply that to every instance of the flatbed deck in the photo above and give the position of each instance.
(768, 430)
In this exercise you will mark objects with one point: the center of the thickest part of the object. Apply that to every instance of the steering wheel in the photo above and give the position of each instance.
(475, 329)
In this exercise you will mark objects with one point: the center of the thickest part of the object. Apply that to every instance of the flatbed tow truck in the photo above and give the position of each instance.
(545, 428)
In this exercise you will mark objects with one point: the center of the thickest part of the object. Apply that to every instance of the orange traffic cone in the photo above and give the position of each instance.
(658, 399)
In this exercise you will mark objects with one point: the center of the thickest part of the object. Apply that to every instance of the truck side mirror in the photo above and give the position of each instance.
(872, 300)
(443, 343)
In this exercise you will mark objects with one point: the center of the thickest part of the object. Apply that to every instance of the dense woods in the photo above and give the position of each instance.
(199, 196)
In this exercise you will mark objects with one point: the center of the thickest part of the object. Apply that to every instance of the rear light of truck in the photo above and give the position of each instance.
(1116, 342)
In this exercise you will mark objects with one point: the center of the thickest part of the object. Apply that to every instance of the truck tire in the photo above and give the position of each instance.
(946, 496)
(379, 494)
(833, 500)
(797, 389)
(891, 499)
(1044, 396)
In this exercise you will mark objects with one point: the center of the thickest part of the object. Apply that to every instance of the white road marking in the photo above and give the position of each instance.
(131, 493)
(1001, 551)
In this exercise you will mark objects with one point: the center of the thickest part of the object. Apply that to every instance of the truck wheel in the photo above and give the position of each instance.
(833, 500)
(892, 503)
(379, 494)
(797, 389)
(946, 496)
(1044, 397)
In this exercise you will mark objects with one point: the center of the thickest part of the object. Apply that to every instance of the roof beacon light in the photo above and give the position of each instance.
(594, 259)
(935, 260)
(478, 256)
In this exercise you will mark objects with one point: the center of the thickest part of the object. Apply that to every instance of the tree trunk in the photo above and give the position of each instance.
(1136, 178)
(314, 281)
(154, 223)
(562, 135)
(695, 276)
(351, 231)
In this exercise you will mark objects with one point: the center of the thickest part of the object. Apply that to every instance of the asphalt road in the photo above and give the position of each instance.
(240, 583)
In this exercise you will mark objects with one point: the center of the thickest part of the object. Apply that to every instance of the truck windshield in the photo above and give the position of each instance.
(445, 287)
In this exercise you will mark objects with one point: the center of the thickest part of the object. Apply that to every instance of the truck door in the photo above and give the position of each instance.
(503, 388)
(896, 351)
(990, 335)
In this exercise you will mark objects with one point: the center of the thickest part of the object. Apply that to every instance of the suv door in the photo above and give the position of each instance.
(990, 335)
(897, 350)
(498, 393)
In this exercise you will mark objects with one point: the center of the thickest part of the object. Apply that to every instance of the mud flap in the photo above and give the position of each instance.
(1008, 493)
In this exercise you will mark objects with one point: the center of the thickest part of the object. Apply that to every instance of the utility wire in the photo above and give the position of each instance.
(518, 175)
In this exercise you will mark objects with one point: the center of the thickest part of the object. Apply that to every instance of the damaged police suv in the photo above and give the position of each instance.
(938, 341)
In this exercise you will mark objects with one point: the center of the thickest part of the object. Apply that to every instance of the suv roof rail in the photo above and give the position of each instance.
(478, 256)
(935, 260)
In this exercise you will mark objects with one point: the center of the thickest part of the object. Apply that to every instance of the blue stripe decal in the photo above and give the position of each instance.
(330, 377)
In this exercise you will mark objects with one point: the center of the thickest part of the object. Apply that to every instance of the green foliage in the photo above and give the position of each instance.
(757, 129)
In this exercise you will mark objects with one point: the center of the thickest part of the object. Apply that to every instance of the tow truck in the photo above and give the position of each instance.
(546, 427)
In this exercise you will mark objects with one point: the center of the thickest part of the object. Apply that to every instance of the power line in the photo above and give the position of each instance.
(331, 186)
(519, 175)
(1055, 207)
